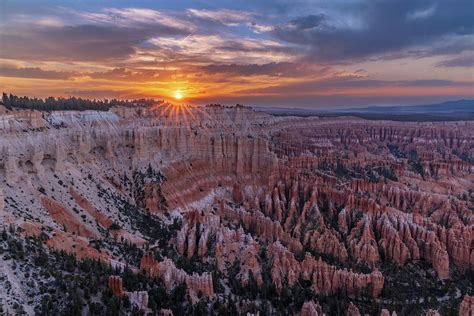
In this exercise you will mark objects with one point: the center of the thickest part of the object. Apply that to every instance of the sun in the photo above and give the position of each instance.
(178, 95)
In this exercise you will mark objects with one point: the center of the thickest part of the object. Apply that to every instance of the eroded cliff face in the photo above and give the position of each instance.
(467, 306)
(137, 298)
(228, 201)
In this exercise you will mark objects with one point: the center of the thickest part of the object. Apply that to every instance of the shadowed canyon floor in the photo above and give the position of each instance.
(215, 210)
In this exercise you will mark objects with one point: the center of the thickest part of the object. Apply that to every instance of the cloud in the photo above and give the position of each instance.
(85, 42)
(422, 14)
(223, 16)
(283, 69)
(113, 35)
(460, 61)
(135, 17)
(34, 73)
(50, 21)
(431, 83)
(307, 22)
(110, 34)
(73, 43)
(133, 75)
(385, 29)
(216, 48)
(351, 83)
(260, 28)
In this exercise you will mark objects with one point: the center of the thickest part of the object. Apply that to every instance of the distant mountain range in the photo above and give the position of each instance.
(445, 107)
(446, 111)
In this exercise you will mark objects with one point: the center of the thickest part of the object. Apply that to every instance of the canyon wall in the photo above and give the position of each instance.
(251, 201)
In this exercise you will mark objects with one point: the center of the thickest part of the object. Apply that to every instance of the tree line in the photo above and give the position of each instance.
(11, 101)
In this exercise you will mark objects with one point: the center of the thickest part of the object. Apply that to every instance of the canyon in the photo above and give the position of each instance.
(241, 211)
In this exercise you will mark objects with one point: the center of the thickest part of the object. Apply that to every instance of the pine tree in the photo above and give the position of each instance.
(4, 234)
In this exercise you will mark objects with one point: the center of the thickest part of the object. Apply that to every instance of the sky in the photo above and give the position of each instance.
(281, 53)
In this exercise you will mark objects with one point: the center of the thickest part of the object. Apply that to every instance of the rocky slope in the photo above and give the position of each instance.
(214, 210)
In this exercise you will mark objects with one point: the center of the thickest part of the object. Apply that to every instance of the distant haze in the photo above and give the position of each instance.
(460, 110)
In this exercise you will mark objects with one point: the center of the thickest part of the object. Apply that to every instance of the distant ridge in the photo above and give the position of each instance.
(445, 107)
(447, 111)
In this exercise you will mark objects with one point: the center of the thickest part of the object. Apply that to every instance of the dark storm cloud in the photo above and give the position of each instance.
(33, 73)
(378, 27)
